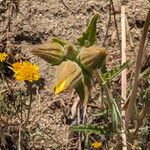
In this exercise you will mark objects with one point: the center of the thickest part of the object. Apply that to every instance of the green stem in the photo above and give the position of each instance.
(30, 103)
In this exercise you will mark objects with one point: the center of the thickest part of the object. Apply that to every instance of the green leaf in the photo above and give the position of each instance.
(109, 75)
(103, 113)
(88, 38)
(103, 129)
(59, 41)
(116, 116)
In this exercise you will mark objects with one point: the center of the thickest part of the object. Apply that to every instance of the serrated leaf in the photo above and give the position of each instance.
(103, 129)
(109, 75)
(88, 38)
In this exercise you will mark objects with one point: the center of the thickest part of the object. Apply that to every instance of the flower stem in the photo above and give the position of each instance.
(30, 103)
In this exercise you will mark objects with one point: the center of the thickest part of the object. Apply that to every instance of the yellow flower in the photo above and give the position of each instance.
(3, 56)
(97, 145)
(26, 71)
(16, 66)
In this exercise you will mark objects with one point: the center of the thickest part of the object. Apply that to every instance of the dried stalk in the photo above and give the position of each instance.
(132, 100)
(124, 72)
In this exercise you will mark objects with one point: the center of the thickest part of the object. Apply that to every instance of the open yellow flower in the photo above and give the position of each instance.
(26, 71)
(3, 56)
(97, 145)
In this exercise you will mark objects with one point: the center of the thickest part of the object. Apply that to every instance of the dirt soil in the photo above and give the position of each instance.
(26, 23)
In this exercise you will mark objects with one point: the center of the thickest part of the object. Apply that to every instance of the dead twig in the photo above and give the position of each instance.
(68, 7)
(74, 12)
(115, 21)
(108, 25)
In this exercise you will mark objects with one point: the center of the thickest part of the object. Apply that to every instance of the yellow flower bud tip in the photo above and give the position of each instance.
(96, 145)
(68, 75)
(60, 87)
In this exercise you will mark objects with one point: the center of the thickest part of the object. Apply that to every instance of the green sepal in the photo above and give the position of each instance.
(83, 89)
(70, 52)
(60, 41)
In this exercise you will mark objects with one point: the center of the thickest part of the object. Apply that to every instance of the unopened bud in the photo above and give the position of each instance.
(92, 57)
(52, 53)
(68, 75)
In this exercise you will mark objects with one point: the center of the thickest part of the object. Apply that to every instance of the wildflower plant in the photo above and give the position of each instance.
(19, 102)
(76, 66)
(29, 73)
(76, 63)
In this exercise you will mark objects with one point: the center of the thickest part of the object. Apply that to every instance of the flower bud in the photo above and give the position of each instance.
(68, 75)
(92, 57)
(52, 53)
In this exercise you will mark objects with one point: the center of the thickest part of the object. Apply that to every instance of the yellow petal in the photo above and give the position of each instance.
(60, 87)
